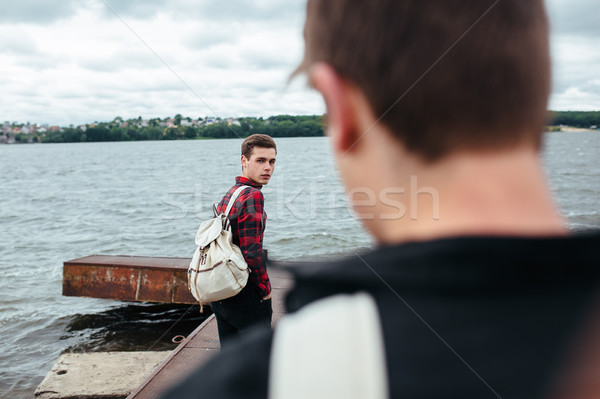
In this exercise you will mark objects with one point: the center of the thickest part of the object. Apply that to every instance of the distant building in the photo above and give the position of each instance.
(233, 121)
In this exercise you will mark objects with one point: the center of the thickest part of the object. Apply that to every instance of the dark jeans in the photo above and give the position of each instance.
(238, 315)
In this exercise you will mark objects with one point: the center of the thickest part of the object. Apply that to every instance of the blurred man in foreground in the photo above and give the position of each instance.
(435, 111)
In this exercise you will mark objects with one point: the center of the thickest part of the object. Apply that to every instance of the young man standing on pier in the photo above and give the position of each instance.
(477, 288)
(252, 306)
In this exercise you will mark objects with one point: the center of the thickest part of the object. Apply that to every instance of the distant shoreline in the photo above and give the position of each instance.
(279, 126)
(176, 128)
(571, 129)
(549, 129)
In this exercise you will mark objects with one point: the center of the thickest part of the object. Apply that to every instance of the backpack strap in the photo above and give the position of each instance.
(234, 196)
(330, 349)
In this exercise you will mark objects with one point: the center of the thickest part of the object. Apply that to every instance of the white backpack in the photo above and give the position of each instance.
(218, 269)
(330, 349)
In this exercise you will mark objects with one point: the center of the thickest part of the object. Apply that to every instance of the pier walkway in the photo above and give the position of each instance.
(151, 279)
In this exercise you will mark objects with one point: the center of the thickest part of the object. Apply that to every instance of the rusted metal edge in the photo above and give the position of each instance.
(151, 262)
(127, 278)
(169, 358)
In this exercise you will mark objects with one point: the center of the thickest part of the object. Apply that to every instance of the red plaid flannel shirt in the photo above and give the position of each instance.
(248, 220)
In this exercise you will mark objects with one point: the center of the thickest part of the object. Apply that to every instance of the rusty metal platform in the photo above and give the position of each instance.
(128, 278)
(200, 345)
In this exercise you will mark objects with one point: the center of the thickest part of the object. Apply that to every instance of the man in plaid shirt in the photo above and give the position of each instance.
(252, 306)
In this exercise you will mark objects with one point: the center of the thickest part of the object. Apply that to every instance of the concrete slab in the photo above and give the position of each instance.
(101, 375)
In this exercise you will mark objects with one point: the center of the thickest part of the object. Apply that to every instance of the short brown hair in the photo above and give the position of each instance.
(442, 75)
(257, 140)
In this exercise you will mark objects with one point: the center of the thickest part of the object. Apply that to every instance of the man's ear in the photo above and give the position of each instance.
(338, 96)
(244, 161)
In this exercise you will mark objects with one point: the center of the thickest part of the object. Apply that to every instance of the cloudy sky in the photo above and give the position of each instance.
(80, 61)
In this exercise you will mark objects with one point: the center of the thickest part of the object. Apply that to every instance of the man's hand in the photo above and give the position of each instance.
(267, 297)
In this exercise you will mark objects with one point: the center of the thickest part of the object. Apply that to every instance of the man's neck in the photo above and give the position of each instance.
(501, 193)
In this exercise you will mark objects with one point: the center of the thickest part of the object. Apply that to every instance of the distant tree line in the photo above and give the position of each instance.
(180, 128)
(575, 118)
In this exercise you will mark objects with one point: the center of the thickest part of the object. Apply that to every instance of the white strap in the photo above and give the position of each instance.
(330, 349)
(234, 196)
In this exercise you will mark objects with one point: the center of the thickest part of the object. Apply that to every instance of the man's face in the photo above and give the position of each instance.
(259, 168)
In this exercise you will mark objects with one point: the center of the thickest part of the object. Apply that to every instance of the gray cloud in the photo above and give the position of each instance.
(16, 41)
(210, 34)
(574, 17)
(140, 9)
(221, 57)
(36, 11)
(275, 57)
(228, 11)
(236, 10)
(594, 87)
(138, 58)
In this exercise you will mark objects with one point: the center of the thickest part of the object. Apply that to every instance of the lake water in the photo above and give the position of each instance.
(64, 201)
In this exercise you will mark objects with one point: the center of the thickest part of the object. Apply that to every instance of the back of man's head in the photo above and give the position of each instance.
(443, 75)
